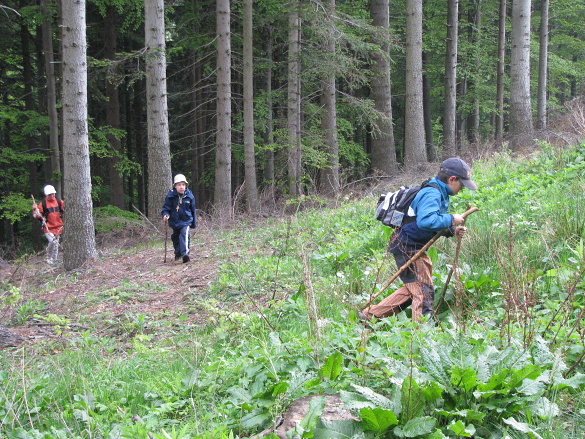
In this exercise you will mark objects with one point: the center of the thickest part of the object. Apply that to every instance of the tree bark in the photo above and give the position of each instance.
(501, 73)
(51, 97)
(159, 154)
(520, 105)
(432, 153)
(79, 236)
(383, 146)
(329, 183)
(249, 149)
(294, 99)
(542, 67)
(269, 134)
(414, 140)
(116, 182)
(450, 110)
(223, 164)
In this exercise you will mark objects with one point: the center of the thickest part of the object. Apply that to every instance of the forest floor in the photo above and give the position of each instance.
(128, 287)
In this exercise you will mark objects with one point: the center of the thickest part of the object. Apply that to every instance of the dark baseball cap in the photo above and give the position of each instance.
(457, 167)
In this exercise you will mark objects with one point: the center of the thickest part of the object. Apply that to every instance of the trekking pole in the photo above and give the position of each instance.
(453, 268)
(414, 258)
(166, 239)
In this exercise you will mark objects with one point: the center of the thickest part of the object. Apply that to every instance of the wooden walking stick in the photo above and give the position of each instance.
(166, 239)
(414, 258)
(453, 268)
(37, 211)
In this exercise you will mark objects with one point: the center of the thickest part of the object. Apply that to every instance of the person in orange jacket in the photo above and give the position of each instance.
(50, 213)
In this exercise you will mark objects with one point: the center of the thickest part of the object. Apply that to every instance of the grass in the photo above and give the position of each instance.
(503, 362)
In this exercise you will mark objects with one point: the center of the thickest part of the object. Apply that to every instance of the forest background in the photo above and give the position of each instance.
(262, 101)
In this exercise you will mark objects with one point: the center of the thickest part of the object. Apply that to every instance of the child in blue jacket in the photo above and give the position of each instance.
(179, 211)
(430, 206)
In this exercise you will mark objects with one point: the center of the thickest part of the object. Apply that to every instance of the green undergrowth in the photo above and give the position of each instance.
(503, 359)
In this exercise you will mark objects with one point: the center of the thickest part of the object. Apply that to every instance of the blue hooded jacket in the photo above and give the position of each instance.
(180, 209)
(430, 206)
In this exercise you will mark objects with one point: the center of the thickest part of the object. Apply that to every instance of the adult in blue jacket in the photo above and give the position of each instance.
(430, 209)
(179, 211)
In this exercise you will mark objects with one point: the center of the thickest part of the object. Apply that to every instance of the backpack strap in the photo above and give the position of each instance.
(48, 210)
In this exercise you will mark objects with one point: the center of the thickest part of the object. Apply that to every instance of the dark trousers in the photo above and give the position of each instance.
(180, 238)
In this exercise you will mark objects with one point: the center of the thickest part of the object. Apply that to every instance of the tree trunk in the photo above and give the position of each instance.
(520, 108)
(383, 146)
(414, 140)
(51, 96)
(475, 17)
(223, 164)
(450, 110)
(29, 106)
(249, 149)
(500, 74)
(329, 183)
(542, 67)
(432, 153)
(294, 99)
(159, 154)
(113, 111)
(79, 235)
(269, 135)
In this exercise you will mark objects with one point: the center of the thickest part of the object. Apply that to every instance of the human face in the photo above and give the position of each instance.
(181, 187)
(455, 184)
(51, 197)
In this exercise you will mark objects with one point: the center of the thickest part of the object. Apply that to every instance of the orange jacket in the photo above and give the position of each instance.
(53, 220)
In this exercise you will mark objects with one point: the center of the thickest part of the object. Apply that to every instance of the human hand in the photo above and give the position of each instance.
(458, 219)
(460, 231)
(165, 218)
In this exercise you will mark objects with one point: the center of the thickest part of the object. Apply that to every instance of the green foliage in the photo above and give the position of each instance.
(491, 367)
(15, 207)
(110, 218)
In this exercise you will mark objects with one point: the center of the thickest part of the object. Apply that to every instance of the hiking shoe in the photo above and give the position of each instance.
(177, 258)
(364, 320)
(50, 261)
(362, 316)
(185, 259)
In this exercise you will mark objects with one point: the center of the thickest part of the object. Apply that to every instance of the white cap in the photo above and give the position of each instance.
(180, 178)
(49, 190)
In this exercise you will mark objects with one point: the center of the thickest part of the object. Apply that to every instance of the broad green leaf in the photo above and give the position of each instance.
(416, 427)
(412, 400)
(533, 387)
(437, 434)
(254, 419)
(470, 415)
(432, 391)
(545, 408)
(332, 367)
(316, 406)
(434, 366)
(346, 429)
(522, 427)
(575, 382)
(376, 398)
(460, 429)
(465, 378)
(377, 420)
(530, 371)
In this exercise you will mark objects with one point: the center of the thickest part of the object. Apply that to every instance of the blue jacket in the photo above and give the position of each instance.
(180, 209)
(430, 206)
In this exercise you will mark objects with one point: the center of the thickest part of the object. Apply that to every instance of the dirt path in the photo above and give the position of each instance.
(127, 287)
